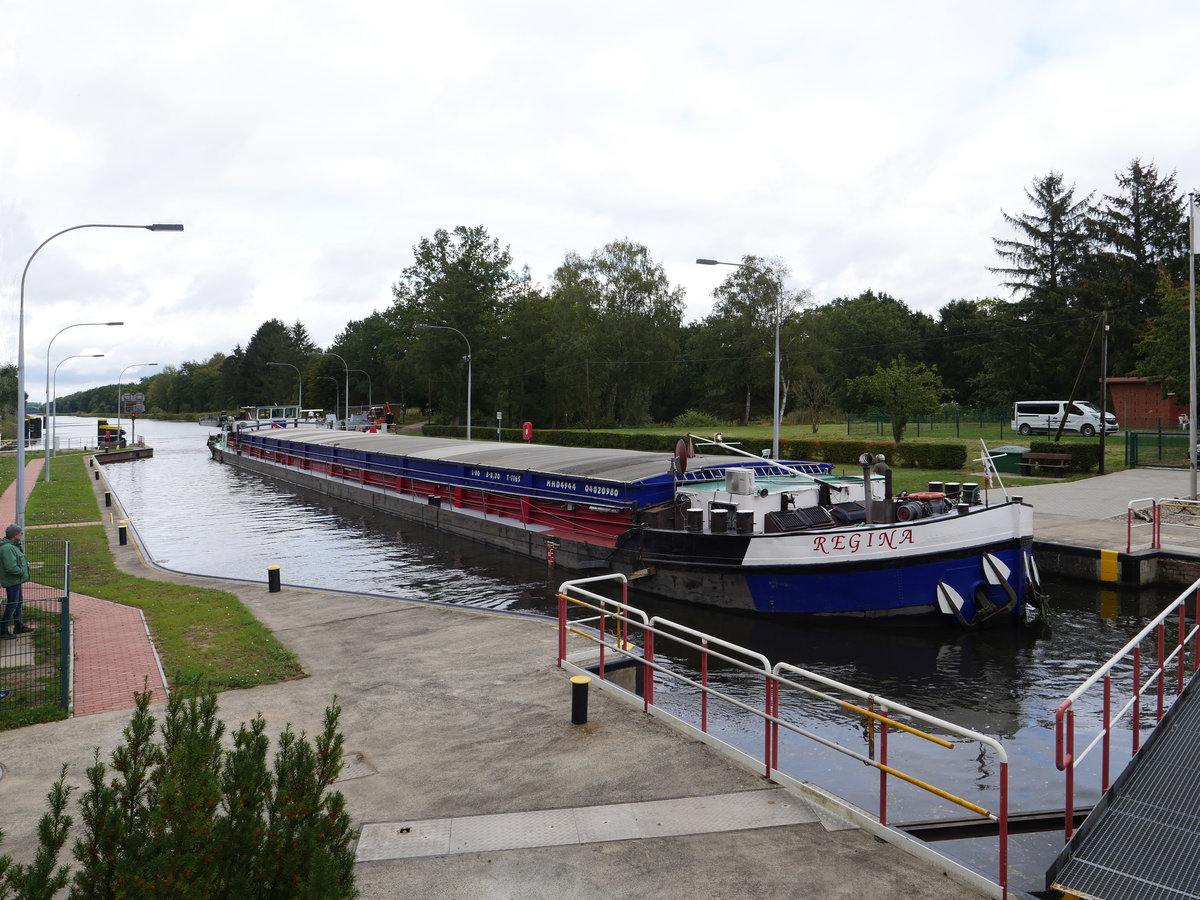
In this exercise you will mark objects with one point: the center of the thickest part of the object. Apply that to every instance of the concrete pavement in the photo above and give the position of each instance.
(460, 718)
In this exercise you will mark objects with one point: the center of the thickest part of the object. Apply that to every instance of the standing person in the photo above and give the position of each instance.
(14, 572)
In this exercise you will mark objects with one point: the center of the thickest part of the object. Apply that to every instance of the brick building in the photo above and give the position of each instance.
(1138, 403)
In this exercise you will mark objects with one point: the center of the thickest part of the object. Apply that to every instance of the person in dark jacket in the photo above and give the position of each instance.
(14, 572)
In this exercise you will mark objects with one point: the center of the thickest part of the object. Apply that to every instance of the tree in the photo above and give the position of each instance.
(902, 390)
(738, 336)
(1054, 244)
(463, 280)
(188, 817)
(1144, 231)
(1163, 352)
(864, 332)
(632, 318)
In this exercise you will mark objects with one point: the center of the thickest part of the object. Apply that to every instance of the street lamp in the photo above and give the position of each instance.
(1191, 343)
(54, 399)
(363, 372)
(468, 359)
(778, 316)
(119, 377)
(20, 482)
(335, 391)
(46, 473)
(346, 423)
(300, 388)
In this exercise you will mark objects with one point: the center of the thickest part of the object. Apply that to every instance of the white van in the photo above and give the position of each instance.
(1045, 415)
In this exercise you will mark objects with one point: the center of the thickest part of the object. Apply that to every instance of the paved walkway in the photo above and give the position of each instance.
(113, 654)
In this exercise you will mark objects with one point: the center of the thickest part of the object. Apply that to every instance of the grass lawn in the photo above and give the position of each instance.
(199, 632)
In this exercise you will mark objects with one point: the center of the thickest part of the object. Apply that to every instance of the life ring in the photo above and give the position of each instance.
(927, 495)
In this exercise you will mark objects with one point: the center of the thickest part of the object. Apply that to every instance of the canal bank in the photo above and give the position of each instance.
(1084, 529)
(458, 722)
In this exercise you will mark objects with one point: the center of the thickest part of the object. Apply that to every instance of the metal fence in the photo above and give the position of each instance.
(35, 667)
(1157, 448)
(988, 423)
(617, 634)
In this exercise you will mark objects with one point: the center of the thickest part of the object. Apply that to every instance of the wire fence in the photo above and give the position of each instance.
(1157, 448)
(990, 424)
(35, 666)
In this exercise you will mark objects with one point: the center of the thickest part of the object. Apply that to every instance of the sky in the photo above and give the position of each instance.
(307, 147)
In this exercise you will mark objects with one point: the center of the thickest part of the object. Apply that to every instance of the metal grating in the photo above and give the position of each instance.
(1144, 840)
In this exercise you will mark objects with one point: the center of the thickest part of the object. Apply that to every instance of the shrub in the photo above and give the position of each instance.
(187, 818)
(1084, 457)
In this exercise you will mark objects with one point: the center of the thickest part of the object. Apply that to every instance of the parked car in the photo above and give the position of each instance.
(1031, 416)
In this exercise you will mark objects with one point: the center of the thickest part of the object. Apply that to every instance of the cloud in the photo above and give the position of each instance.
(307, 148)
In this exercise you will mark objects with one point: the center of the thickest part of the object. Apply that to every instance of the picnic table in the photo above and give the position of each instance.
(1054, 464)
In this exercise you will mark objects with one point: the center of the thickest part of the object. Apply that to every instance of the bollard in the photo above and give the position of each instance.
(96, 475)
(273, 579)
(579, 698)
(108, 498)
(122, 536)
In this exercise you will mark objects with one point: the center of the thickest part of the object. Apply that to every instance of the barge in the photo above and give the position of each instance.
(722, 528)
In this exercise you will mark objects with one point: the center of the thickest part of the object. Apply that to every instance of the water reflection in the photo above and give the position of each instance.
(195, 515)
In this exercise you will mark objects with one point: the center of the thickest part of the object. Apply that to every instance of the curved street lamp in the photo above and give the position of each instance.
(54, 417)
(20, 482)
(300, 387)
(468, 359)
(347, 401)
(119, 377)
(54, 400)
(778, 316)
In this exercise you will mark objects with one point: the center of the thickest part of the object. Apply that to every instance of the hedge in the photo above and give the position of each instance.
(1084, 457)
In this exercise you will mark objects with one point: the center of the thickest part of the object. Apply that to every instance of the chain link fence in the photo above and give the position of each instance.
(35, 667)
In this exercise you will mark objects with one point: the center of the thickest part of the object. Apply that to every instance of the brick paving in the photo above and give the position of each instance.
(113, 654)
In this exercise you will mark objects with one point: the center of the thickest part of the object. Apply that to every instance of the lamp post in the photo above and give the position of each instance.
(46, 471)
(119, 377)
(54, 397)
(1103, 393)
(347, 401)
(335, 391)
(20, 481)
(778, 316)
(299, 388)
(363, 372)
(1191, 343)
(468, 359)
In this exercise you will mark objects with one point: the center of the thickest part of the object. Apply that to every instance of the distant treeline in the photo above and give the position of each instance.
(604, 342)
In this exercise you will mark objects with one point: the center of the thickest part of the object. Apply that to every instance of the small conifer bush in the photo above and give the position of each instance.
(185, 816)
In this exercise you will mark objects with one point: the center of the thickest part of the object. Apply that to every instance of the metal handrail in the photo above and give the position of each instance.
(1162, 505)
(1064, 720)
(878, 710)
(1130, 512)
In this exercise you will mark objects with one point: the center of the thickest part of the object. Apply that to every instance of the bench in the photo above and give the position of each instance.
(1055, 464)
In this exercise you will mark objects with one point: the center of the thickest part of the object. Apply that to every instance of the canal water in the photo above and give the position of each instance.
(194, 515)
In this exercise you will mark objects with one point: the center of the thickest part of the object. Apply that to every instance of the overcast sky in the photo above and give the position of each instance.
(307, 147)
